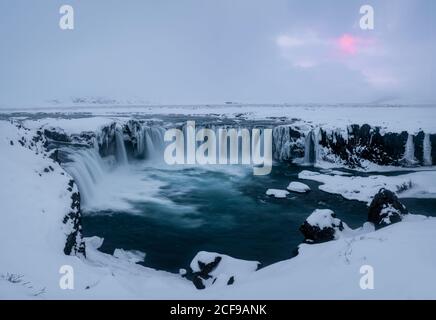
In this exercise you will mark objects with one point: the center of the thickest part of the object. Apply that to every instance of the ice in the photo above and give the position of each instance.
(417, 184)
(298, 187)
(428, 161)
(132, 256)
(277, 193)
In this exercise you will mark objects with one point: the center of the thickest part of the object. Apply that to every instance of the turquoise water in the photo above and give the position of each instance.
(220, 211)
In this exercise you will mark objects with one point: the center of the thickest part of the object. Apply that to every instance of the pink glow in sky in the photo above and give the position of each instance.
(348, 44)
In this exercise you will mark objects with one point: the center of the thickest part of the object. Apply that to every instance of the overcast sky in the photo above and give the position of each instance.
(211, 51)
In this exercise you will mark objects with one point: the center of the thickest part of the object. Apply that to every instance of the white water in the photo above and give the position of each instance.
(409, 153)
(87, 169)
(121, 153)
(311, 148)
(152, 143)
(428, 161)
(282, 143)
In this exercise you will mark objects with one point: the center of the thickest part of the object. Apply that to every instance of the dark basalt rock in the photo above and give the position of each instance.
(74, 243)
(366, 143)
(205, 269)
(57, 135)
(106, 141)
(385, 209)
(433, 147)
(314, 234)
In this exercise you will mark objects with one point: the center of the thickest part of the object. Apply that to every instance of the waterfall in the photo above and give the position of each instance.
(409, 153)
(87, 169)
(152, 142)
(121, 153)
(309, 149)
(428, 161)
(282, 143)
(316, 147)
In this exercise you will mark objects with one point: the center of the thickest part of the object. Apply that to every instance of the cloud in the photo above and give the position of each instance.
(364, 55)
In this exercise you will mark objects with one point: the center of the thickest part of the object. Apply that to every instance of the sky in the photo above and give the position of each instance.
(212, 51)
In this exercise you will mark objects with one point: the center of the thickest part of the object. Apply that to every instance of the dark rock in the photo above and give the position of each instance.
(418, 141)
(74, 243)
(207, 269)
(11, 142)
(55, 135)
(366, 143)
(385, 209)
(321, 226)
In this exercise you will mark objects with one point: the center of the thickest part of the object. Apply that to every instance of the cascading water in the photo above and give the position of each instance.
(309, 149)
(409, 153)
(282, 143)
(87, 169)
(121, 154)
(152, 142)
(428, 161)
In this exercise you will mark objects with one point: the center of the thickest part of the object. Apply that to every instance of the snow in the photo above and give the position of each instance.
(277, 193)
(322, 218)
(228, 267)
(70, 126)
(419, 184)
(32, 238)
(410, 118)
(401, 255)
(133, 256)
(298, 187)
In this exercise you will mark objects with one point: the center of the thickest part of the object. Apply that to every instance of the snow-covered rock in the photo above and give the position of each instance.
(385, 209)
(321, 226)
(277, 193)
(298, 187)
(209, 268)
(418, 184)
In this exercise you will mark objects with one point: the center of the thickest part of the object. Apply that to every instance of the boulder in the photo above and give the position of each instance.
(209, 268)
(321, 226)
(385, 209)
(298, 187)
(277, 193)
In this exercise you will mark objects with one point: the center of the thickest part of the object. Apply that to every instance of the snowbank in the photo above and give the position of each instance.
(298, 187)
(277, 193)
(391, 118)
(417, 184)
(220, 270)
(70, 126)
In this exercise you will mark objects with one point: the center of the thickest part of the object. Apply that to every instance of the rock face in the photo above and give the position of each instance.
(209, 268)
(74, 244)
(385, 209)
(352, 146)
(321, 226)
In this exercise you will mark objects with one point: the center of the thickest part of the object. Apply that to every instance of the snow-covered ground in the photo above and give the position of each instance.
(33, 203)
(391, 118)
(420, 184)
